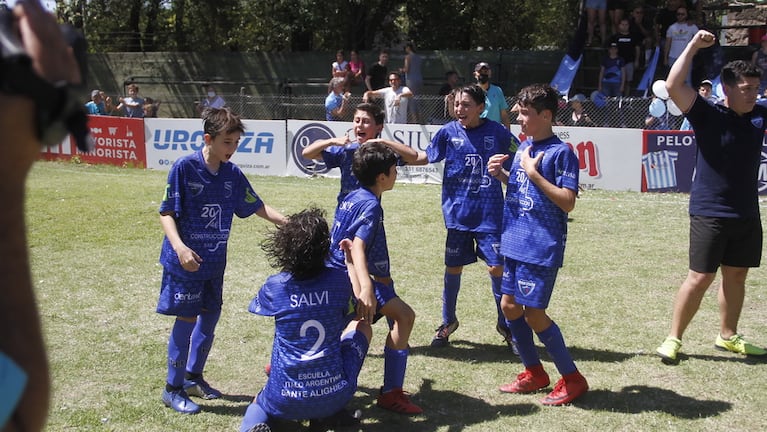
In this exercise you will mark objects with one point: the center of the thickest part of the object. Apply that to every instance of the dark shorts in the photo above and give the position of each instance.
(724, 241)
(464, 247)
(189, 297)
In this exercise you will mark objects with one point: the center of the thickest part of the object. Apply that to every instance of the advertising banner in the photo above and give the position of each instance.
(607, 156)
(668, 162)
(261, 149)
(118, 141)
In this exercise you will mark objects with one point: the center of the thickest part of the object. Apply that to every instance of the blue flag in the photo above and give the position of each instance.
(649, 73)
(563, 79)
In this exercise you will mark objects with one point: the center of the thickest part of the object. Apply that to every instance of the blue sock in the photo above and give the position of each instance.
(450, 297)
(495, 282)
(178, 351)
(555, 345)
(202, 340)
(523, 334)
(253, 416)
(395, 363)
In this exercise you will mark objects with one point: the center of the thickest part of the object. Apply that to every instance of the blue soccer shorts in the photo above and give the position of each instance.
(464, 247)
(530, 285)
(189, 297)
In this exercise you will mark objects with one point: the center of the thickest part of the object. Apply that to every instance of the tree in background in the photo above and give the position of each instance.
(321, 25)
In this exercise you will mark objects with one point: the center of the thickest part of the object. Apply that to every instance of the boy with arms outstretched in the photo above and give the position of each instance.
(338, 152)
(318, 349)
(204, 192)
(542, 185)
(359, 218)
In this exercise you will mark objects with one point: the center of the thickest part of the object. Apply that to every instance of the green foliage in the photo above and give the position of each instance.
(94, 237)
(321, 25)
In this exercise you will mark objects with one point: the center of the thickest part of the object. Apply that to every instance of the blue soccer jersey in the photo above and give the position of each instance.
(534, 228)
(307, 377)
(360, 215)
(204, 205)
(341, 158)
(472, 200)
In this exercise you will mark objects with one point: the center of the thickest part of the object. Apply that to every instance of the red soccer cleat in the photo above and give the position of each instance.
(529, 381)
(568, 388)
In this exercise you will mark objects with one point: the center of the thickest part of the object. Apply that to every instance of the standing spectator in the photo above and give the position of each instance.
(641, 27)
(204, 192)
(413, 79)
(759, 59)
(496, 107)
(376, 76)
(629, 49)
(612, 73)
(299, 249)
(725, 223)
(541, 188)
(151, 107)
(340, 68)
(678, 36)
(472, 202)
(663, 20)
(132, 105)
(96, 105)
(212, 99)
(451, 82)
(616, 10)
(335, 102)
(356, 69)
(447, 91)
(594, 9)
(395, 99)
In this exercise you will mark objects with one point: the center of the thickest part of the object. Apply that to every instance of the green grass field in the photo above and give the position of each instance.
(95, 238)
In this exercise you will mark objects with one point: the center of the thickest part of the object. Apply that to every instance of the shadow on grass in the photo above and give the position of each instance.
(441, 408)
(639, 399)
(228, 405)
(488, 353)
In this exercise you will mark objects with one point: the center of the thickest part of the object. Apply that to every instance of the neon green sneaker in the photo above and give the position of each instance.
(668, 350)
(738, 345)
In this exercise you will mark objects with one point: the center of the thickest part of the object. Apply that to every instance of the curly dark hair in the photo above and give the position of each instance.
(301, 246)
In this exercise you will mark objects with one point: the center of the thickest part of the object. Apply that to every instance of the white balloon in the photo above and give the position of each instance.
(673, 109)
(657, 107)
(659, 89)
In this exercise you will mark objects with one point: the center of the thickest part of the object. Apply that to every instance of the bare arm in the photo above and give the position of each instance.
(188, 258)
(505, 118)
(564, 198)
(406, 93)
(366, 306)
(314, 150)
(681, 93)
(268, 213)
(405, 152)
(495, 167)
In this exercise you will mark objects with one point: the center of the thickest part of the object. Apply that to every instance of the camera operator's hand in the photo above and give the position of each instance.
(43, 41)
(20, 330)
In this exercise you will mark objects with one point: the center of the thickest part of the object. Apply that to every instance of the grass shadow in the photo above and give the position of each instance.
(640, 399)
(441, 408)
(489, 353)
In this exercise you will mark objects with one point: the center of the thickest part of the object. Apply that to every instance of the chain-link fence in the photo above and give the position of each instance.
(626, 112)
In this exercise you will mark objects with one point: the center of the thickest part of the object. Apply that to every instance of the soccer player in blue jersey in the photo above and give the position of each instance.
(338, 152)
(725, 220)
(204, 192)
(472, 201)
(359, 218)
(318, 347)
(542, 185)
